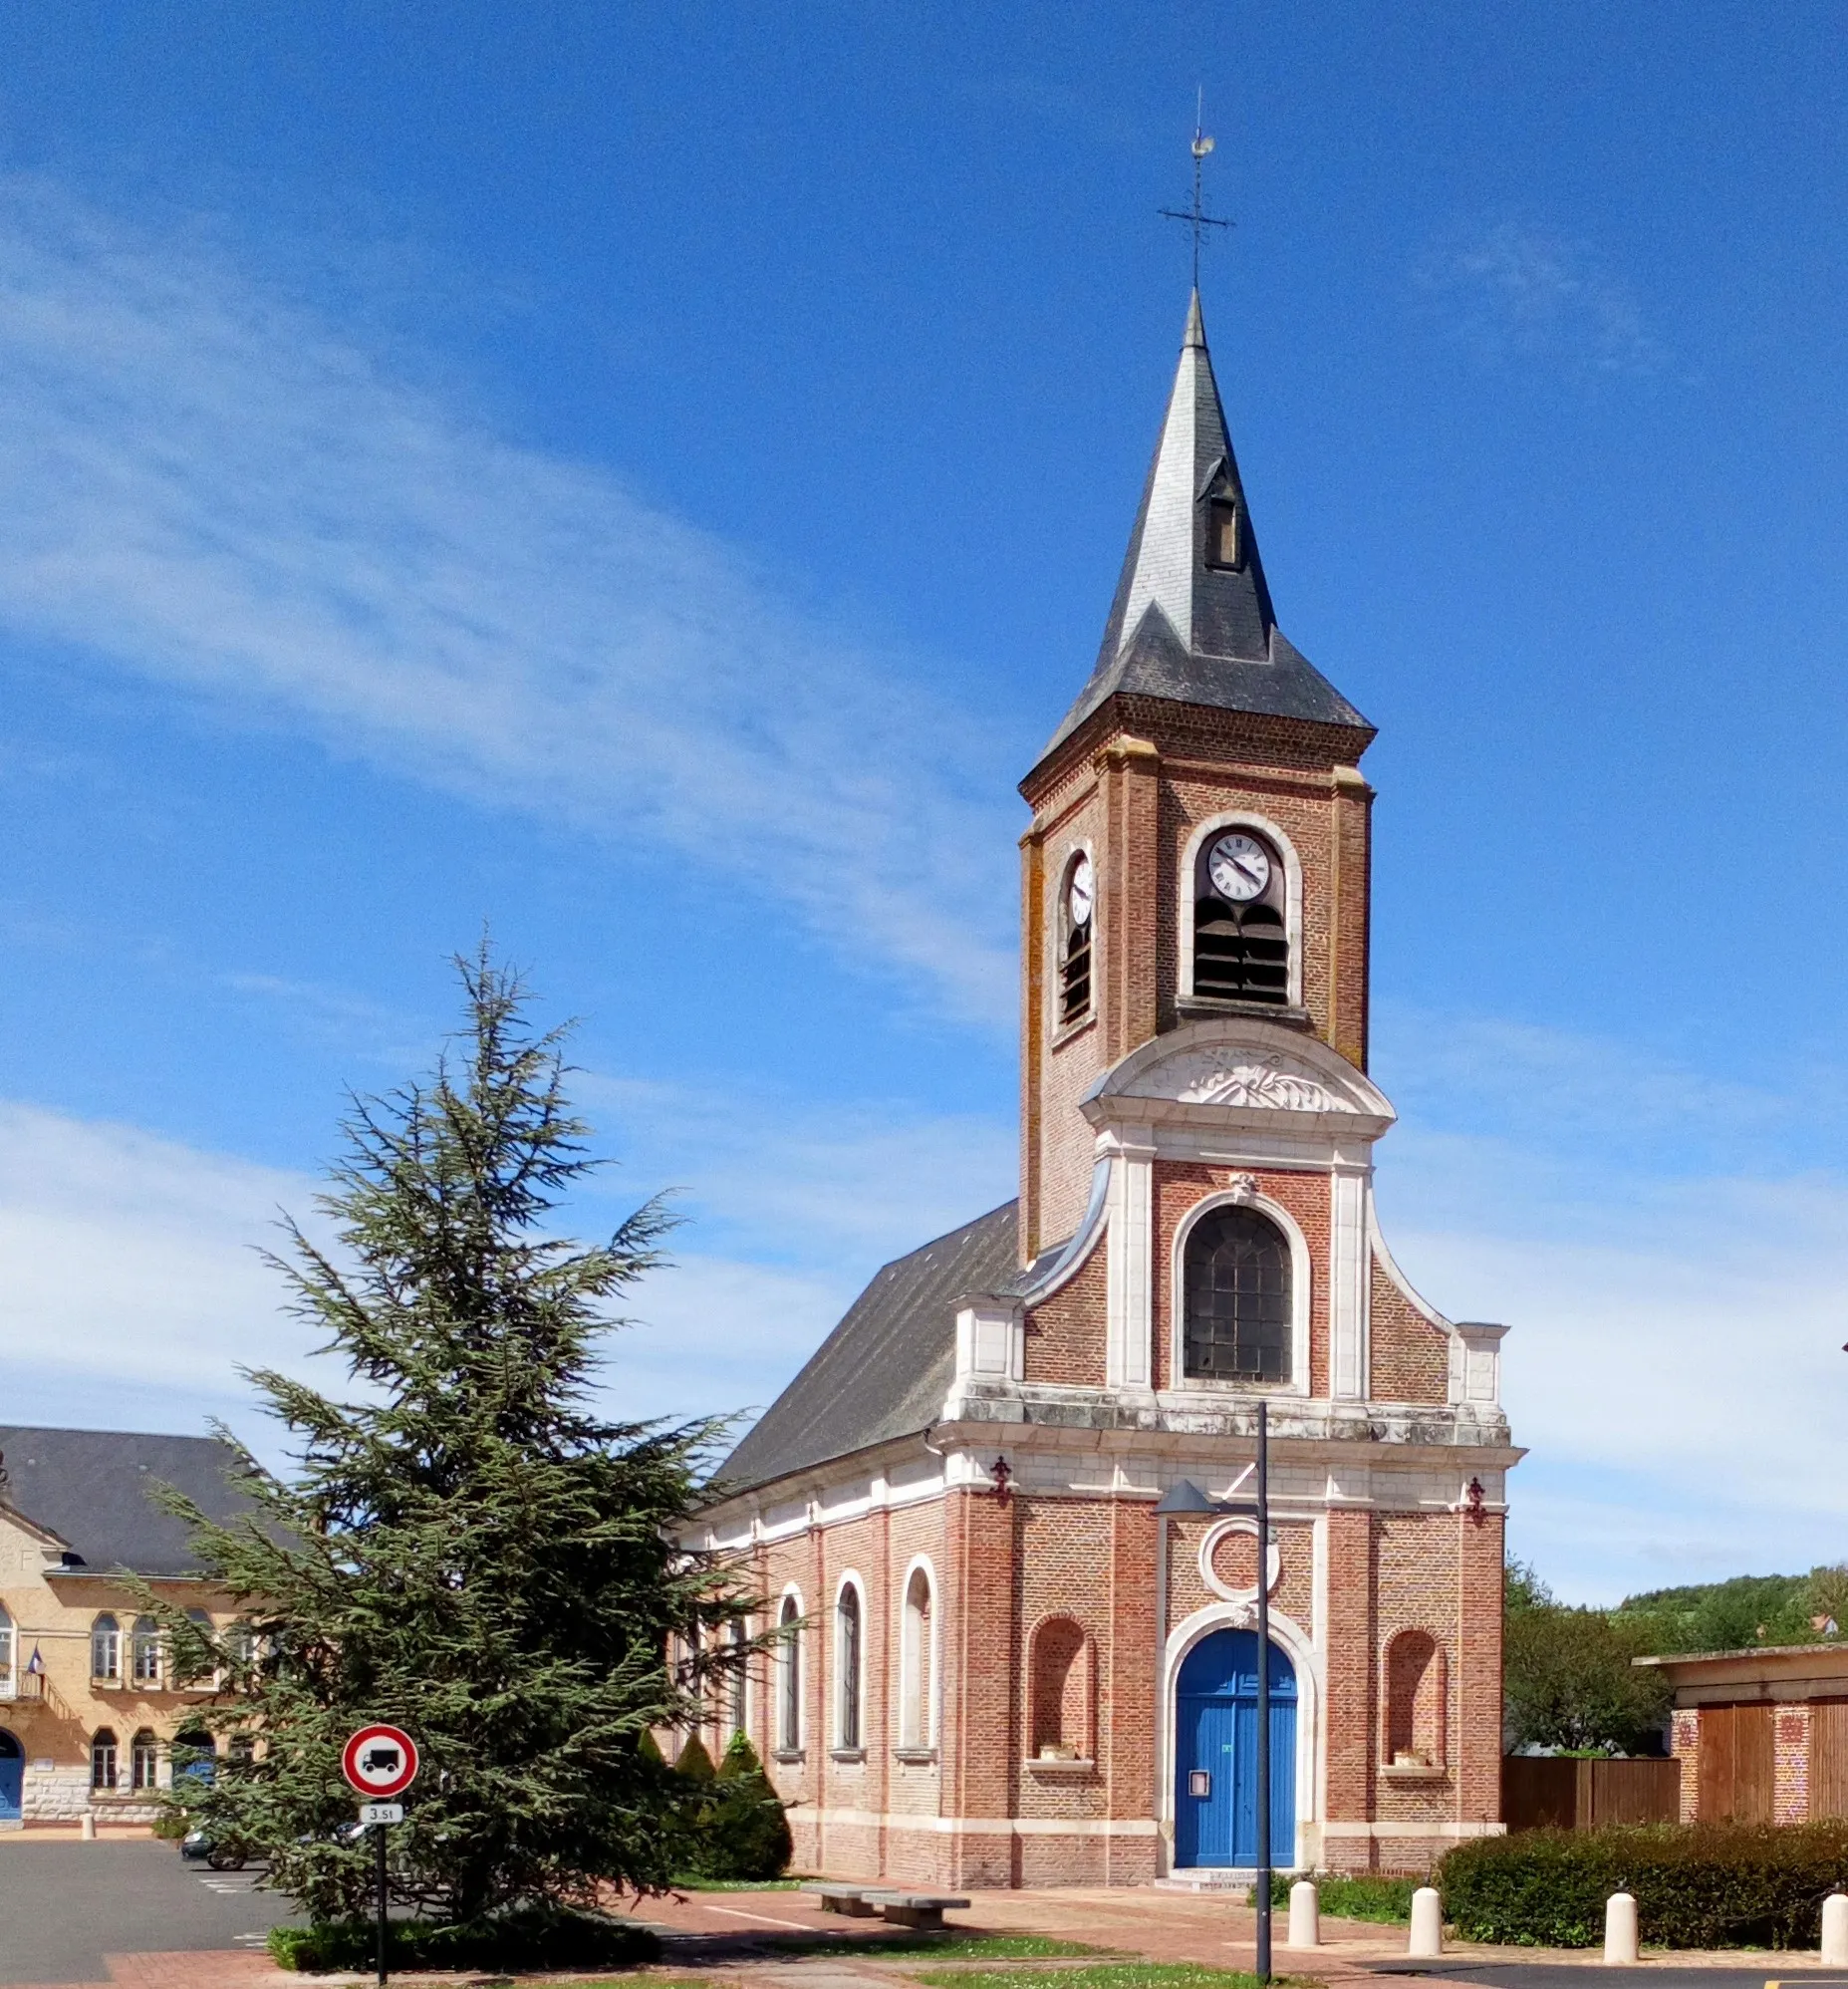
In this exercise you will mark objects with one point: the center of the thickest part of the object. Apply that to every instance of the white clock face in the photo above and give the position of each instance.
(1238, 868)
(1078, 892)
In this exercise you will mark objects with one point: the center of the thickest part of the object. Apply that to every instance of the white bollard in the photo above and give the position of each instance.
(1306, 1914)
(1620, 1950)
(1835, 1930)
(87, 1826)
(1426, 1923)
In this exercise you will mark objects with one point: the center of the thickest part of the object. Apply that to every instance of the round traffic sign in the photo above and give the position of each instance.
(380, 1761)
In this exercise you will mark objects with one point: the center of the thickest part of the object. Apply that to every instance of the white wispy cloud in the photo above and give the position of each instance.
(1674, 1267)
(205, 481)
(1515, 289)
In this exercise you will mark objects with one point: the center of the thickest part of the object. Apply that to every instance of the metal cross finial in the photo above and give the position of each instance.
(1196, 216)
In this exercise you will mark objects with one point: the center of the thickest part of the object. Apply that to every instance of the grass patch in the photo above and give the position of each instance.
(1111, 1975)
(1388, 1900)
(989, 1947)
(689, 1883)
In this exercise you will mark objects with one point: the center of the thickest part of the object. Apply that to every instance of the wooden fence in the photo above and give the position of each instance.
(1547, 1792)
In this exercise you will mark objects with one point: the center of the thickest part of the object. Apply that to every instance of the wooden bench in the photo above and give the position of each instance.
(923, 1911)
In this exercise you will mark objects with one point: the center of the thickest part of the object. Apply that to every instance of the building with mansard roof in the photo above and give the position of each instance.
(1001, 1664)
(91, 1703)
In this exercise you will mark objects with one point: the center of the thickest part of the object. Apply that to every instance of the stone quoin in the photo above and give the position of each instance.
(1001, 1666)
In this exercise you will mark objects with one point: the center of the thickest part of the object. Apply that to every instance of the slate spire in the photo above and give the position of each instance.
(1191, 618)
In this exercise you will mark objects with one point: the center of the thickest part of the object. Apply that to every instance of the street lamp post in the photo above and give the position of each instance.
(1185, 1499)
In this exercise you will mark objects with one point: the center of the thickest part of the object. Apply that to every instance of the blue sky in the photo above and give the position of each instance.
(650, 478)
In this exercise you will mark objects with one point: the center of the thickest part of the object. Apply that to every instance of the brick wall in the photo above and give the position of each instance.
(1410, 1358)
(1065, 1337)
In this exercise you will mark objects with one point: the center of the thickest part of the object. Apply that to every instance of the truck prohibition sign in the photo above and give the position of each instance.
(380, 1762)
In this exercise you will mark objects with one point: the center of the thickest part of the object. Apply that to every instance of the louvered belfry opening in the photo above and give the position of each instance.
(1238, 1299)
(1074, 963)
(1241, 952)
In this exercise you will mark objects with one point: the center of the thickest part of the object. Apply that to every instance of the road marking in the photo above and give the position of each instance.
(733, 1914)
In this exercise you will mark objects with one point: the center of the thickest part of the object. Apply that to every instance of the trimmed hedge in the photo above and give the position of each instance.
(1698, 1885)
(534, 1938)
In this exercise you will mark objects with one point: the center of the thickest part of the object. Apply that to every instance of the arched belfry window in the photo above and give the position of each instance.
(1241, 945)
(1238, 1298)
(1077, 924)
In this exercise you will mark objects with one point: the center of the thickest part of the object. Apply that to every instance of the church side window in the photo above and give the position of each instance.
(1238, 1299)
(105, 1655)
(103, 1757)
(1241, 946)
(848, 1665)
(736, 1710)
(915, 1684)
(1077, 920)
(789, 1677)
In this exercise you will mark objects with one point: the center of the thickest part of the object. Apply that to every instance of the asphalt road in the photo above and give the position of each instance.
(64, 1905)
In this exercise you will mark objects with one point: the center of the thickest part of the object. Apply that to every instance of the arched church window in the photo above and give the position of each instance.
(1077, 921)
(789, 1677)
(1241, 946)
(736, 1708)
(1238, 1298)
(847, 1669)
(914, 1654)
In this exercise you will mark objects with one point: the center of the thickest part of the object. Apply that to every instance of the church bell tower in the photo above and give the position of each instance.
(1199, 844)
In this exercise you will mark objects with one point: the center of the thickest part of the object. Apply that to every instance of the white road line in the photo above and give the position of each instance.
(732, 1913)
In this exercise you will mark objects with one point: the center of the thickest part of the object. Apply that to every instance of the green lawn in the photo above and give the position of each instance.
(736, 1885)
(1111, 1975)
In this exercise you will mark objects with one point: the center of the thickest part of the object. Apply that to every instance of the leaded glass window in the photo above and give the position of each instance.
(1238, 1299)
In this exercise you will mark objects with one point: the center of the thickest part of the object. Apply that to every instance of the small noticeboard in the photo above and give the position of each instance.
(380, 1762)
(382, 1813)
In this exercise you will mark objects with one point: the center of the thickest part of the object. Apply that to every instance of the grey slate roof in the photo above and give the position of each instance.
(89, 1489)
(1179, 628)
(886, 1368)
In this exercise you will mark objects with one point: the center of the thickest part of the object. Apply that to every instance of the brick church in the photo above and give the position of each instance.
(1001, 1665)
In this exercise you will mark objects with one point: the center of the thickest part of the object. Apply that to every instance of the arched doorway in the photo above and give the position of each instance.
(1215, 1753)
(12, 1776)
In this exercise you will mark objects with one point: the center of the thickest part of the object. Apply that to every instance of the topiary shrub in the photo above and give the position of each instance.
(745, 1829)
(1699, 1885)
(694, 1762)
(526, 1938)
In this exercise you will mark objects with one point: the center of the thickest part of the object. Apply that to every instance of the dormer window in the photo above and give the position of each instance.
(1241, 948)
(1077, 917)
(1225, 534)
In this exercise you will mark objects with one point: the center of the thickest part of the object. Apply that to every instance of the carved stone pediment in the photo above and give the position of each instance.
(1216, 1068)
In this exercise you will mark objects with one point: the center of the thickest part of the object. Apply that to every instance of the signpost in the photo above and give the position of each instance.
(380, 1762)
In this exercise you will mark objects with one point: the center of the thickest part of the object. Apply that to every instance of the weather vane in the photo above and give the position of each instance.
(1196, 216)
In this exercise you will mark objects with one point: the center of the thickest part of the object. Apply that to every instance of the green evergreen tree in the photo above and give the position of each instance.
(465, 1548)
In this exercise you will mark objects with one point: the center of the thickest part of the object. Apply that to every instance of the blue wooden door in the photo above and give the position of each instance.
(1215, 1753)
(12, 1775)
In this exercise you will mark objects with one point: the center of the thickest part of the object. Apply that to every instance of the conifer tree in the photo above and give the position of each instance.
(465, 1548)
